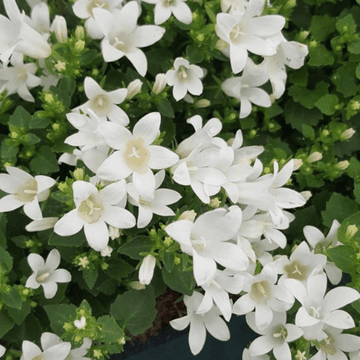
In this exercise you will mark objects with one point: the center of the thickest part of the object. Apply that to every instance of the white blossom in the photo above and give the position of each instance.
(146, 270)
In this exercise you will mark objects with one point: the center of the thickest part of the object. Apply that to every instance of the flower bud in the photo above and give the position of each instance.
(351, 230)
(134, 88)
(306, 195)
(59, 27)
(347, 134)
(107, 251)
(315, 156)
(342, 165)
(188, 215)
(297, 164)
(136, 285)
(203, 103)
(79, 33)
(160, 83)
(146, 271)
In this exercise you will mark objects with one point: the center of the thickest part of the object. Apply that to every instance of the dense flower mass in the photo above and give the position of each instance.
(155, 149)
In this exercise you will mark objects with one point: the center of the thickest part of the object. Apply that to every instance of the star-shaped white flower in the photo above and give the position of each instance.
(24, 189)
(46, 274)
(164, 8)
(95, 209)
(123, 37)
(185, 78)
(135, 154)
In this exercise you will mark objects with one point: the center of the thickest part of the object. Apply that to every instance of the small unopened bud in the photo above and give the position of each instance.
(114, 232)
(146, 271)
(189, 99)
(215, 203)
(107, 251)
(306, 195)
(59, 27)
(342, 165)
(160, 83)
(203, 103)
(136, 285)
(80, 45)
(134, 88)
(221, 45)
(347, 134)
(78, 174)
(80, 324)
(351, 230)
(188, 215)
(315, 156)
(80, 33)
(297, 164)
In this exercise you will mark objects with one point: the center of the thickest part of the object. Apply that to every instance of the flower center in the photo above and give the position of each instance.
(296, 270)
(257, 249)
(120, 44)
(238, 31)
(42, 277)
(261, 291)
(314, 312)
(100, 104)
(182, 74)
(21, 74)
(280, 333)
(198, 244)
(137, 155)
(143, 202)
(91, 209)
(328, 345)
(27, 192)
(168, 2)
(102, 4)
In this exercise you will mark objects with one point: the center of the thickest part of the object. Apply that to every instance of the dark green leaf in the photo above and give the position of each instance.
(61, 95)
(110, 330)
(169, 258)
(12, 299)
(321, 27)
(165, 108)
(6, 259)
(320, 56)
(179, 280)
(344, 80)
(6, 323)
(3, 238)
(195, 55)
(134, 247)
(73, 240)
(38, 123)
(68, 85)
(44, 162)
(327, 104)
(308, 132)
(20, 315)
(59, 315)
(30, 139)
(118, 269)
(90, 277)
(8, 152)
(340, 255)
(20, 118)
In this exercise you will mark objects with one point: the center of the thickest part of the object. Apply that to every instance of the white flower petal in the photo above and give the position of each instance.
(197, 335)
(161, 157)
(148, 127)
(97, 235)
(70, 224)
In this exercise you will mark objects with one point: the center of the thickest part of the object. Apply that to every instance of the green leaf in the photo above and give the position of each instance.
(344, 80)
(68, 85)
(44, 162)
(357, 192)
(20, 118)
(320, 56)
(8, 152)
(90, 276)
(59, 315)
(108, 287)
(110, 330)
(179, 280)
(308, 132)
(61, 95)
(343, 233)
(20, 315)
(195, 55)
(168, 259)
(12, 299)
(341, 255)
(354, 169)
(307, 97)
(6, 259)
(118, 269)
(328, 104)
(6, 323)
(321, 27)
(38, 123)
(73, 240)
(338, 207)
(88, 57)
(346, 25)
(135, 309)
(30, 139)
(134, 247)
(357, 72)
(210, 13)
(354, 47)
(3, 238)
(165, 108)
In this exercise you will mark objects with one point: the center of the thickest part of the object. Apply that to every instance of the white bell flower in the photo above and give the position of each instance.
(2, 350)
(264, 296)
(185, 78)
(154, 205)
(46, 274)
(275, 337)
(206, 240)
(51, 351)
(244, 32)
(146, 271)
(20, 77)
(246, 88)
(103, 103)
(42, 224)
(134, 154)
(83, 9)
(319, 242)
(164, 8)
(24, 189)
(95, 209)
(40, 19)
(234, 6)
(199, 323)
(246, 356)
(123, 37)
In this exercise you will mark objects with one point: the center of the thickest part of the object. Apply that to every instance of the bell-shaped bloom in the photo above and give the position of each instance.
(20, 77)
(146, 270)
(164, 8)
(135, 154)
(95, 209)
(244, 32)
(185, 78)
(275, 337)
(123, 37)
(103, 103)
(206, 240)
(47, 274)
(199, 323)
(24, 190)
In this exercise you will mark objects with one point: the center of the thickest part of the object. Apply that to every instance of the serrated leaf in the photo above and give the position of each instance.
(90, 276)
(338, 207)
(327, 104)
(165, 108)
(6, 259)
(134, 247)
(307, 97)
(44, 162)
(354, 47)
(135, 309)
(12, 299)
(59, 315)
(341, 255)
(346, 25)
(321, 27)
(110, 330)
(20, 118)
(320, 56)
(344, 80)
(75, 240)
(179, 280)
